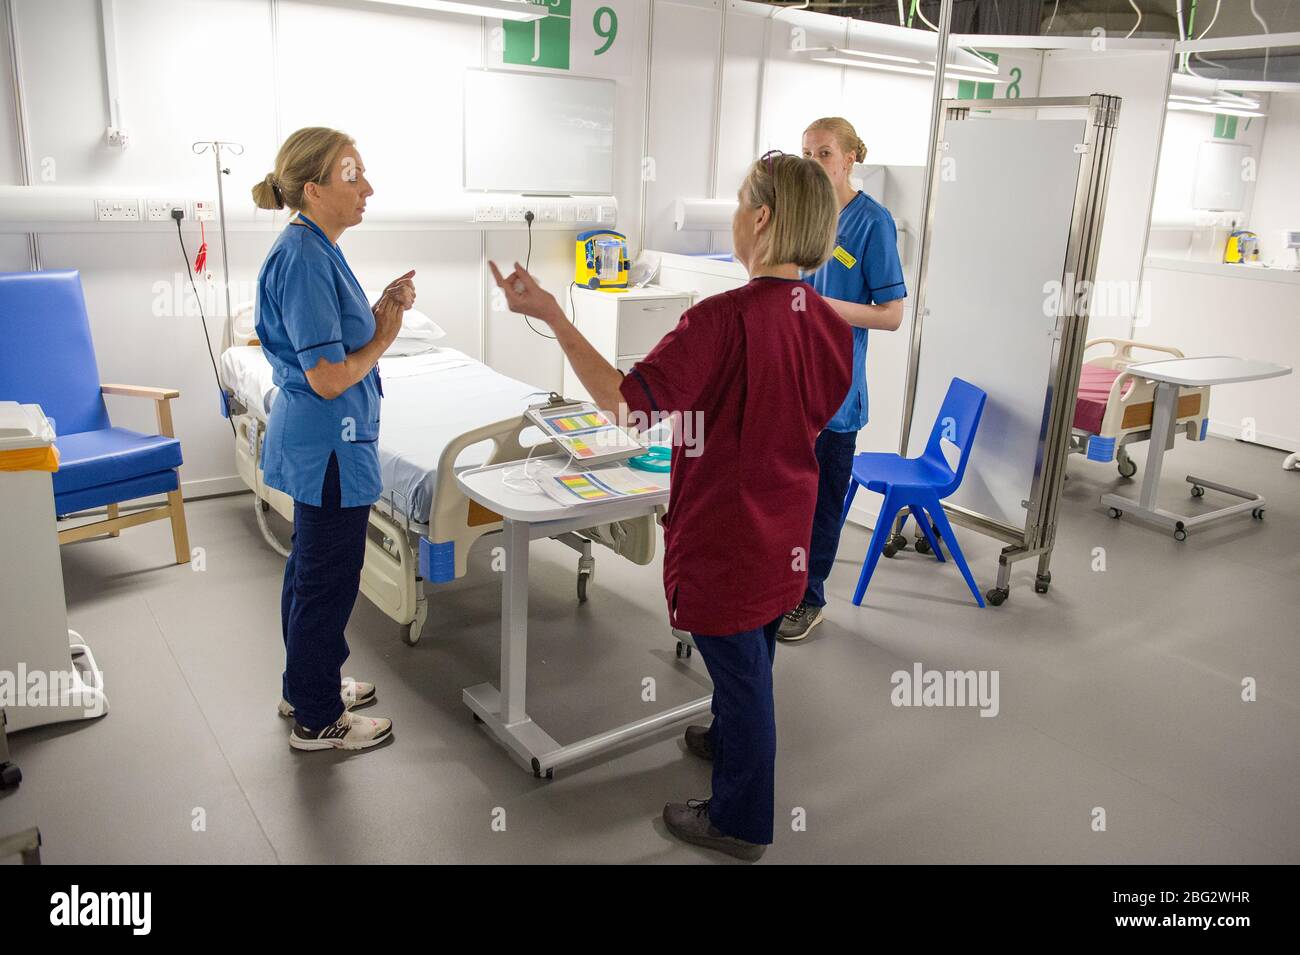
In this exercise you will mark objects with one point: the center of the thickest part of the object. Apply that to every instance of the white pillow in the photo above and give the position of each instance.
(418, 334)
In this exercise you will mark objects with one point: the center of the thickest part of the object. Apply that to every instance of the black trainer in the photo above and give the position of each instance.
(798, 623)
(689, 821)
(698, 743)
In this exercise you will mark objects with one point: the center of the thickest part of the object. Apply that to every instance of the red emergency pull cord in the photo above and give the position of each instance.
(201, 259)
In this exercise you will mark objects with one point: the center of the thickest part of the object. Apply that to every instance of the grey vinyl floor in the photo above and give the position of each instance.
(1120, 690)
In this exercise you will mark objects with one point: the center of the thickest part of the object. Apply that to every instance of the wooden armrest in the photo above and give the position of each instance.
(140, 391)
(160, 395)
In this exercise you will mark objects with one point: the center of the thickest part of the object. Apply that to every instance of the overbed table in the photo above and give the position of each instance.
(527, 517)
(1169, 376)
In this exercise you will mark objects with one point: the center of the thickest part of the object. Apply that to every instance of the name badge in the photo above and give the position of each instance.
(844, 258)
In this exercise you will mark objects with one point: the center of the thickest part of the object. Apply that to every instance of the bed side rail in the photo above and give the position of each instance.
(450, 512)
(1121, 353)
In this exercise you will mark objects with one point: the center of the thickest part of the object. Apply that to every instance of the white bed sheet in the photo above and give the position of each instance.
(429, 400)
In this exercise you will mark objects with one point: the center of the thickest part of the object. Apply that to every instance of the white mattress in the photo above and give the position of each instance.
(429, 400)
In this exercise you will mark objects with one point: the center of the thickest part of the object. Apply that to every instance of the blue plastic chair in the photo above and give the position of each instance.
(919, 484)
(48, 359)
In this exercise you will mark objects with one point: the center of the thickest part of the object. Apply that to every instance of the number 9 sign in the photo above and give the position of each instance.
(605, 23)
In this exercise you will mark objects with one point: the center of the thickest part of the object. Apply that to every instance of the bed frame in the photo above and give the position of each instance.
(402, 554)
(1128, 416)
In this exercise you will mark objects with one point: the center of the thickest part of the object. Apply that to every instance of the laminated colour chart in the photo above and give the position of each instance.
(565, 424)
(588, 486)
(589, 435)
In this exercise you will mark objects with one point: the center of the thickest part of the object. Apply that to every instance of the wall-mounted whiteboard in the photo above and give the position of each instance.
(1220, 183)
(537, 133)
(1000, 230)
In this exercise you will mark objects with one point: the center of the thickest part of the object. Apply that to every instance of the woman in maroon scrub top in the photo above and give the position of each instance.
(764, 367)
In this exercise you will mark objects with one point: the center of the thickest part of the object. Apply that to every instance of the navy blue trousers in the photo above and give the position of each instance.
(835, 450)
(743, 734)
(320, 587)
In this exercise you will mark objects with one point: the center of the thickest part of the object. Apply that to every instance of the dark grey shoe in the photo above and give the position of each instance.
(697, 742)
(689, 821)
(798, 623)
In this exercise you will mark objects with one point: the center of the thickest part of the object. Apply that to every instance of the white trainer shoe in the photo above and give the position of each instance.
(354, 694)
(350, 732)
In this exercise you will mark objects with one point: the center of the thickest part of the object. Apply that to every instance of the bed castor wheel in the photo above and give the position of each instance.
(683, 650)
(893, 544)
(997, 596)
(1198, 491)
(411, 632)
(1127, 467)
(582, 587)
(1042, 582)
(922, 545)
(10, 774)
(1180, 532)
(1257, 513)
(1115, 513)
(538, 774)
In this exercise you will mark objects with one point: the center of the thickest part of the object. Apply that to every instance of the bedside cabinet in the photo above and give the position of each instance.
(622, 326)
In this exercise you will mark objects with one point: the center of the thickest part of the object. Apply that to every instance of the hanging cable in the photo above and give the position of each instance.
(1134, 5)
(921, 13)
(207, 339)
(1199, 57)
(1052, 19)
(1255, 13)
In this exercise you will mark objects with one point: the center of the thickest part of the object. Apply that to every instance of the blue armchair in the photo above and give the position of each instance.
(48, 358)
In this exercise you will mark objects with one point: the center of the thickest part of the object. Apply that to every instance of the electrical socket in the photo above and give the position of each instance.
(515, 214)
(205, 210)
(586, 213)
(117, 210)
(490, 213)
(160, 210)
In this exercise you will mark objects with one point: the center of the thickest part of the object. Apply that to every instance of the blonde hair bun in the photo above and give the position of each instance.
(845, 135)
(306, 156)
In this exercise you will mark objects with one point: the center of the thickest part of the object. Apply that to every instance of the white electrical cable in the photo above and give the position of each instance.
(902, 17)
(1255, 13)
(921, 13)
(1217, 4)
(1204, 33)
(1134, 5)
(1050, 20)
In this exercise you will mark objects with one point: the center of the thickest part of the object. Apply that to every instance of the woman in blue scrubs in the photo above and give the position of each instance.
(863, 282)
(324, 341)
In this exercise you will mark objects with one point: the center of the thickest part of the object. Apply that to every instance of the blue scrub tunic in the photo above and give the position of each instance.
(864, 268)
(309, 306)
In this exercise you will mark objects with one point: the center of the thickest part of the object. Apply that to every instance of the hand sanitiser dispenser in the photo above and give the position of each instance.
(601, 261)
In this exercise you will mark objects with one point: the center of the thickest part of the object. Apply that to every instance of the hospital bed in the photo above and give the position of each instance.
(443, 412)
(1114, 408)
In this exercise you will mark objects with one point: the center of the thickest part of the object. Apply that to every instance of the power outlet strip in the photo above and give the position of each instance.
(160, 210)
(117, 210)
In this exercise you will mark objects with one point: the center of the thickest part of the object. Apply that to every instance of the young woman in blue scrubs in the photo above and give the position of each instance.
(324, 341)
(863, 282)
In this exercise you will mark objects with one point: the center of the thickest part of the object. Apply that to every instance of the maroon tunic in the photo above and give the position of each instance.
(765, 367)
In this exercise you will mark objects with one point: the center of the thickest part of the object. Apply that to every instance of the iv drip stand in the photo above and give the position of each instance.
(217, 145)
